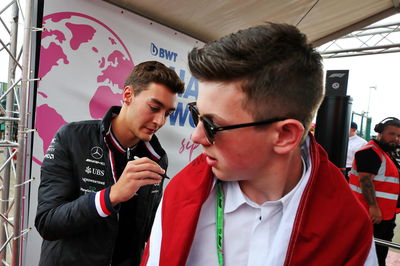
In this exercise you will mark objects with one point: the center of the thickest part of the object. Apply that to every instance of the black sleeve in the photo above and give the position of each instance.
(61, 212)
(367, 161)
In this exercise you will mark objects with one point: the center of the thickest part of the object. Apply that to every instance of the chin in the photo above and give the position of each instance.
(221, 175)
(146, 137)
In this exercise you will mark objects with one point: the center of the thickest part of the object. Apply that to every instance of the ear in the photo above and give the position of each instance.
(127, 95)
(378, 138)
(289, 134)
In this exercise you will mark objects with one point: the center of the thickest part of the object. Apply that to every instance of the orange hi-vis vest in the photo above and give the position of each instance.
(386, 183)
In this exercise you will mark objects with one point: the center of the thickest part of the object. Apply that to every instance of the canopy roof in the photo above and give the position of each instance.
(206, 20)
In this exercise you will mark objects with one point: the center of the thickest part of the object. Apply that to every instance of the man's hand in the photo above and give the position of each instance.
(137, 173)
(375, 214)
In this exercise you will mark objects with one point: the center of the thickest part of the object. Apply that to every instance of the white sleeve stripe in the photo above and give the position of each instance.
(98, 205)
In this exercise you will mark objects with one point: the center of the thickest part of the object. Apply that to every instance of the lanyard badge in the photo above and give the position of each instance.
(219, 206)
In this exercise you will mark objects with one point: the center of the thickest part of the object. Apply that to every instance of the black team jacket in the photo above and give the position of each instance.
(74, 215)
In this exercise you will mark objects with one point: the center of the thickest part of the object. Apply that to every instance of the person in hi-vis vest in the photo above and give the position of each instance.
(374, 179)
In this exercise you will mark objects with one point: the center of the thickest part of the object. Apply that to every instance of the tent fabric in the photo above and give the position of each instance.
(206, 20)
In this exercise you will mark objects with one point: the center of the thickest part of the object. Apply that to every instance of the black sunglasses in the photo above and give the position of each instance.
(212, 129)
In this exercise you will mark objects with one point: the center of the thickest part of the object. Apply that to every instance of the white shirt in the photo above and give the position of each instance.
(254, 234)
(250, 229)
(355, 143)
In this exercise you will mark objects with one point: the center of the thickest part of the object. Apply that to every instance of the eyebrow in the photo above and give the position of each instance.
(213, 117)
(161, 104)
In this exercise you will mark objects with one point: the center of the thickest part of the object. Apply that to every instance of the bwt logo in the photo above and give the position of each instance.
(162, 53)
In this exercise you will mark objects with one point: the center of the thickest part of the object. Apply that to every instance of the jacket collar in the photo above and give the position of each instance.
(106, 122)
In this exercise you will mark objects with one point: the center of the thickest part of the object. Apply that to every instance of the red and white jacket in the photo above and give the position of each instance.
(386, 183)
(330, 226)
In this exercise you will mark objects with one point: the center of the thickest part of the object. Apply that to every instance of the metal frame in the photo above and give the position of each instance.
(370, 40)
(386, 243)
(10, 242)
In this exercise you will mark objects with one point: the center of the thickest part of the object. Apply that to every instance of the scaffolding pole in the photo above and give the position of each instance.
(22, 136)
(9, 125)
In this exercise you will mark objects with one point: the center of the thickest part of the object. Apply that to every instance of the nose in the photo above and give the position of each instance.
(199, 135)
(159, 119)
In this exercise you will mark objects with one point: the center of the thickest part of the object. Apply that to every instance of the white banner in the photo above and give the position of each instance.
(87, 50)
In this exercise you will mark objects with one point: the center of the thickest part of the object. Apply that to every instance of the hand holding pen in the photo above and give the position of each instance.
(137, 173)
(163, 175)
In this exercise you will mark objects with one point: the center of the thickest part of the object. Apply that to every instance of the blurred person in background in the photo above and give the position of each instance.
(354, 144)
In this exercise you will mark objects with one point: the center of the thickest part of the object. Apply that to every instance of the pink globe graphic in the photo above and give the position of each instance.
(82, 70)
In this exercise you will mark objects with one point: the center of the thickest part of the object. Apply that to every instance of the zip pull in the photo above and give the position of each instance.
(128, 154)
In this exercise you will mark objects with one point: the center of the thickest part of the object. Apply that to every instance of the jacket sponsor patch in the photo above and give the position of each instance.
(86, 180)
(90, 190)
(96, 152)
(94, 171)
(96, 162)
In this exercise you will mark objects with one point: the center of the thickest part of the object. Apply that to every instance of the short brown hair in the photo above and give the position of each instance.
(152, 71)
(281, 74)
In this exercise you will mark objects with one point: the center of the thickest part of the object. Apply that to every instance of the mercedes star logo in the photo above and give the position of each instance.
(97, 152)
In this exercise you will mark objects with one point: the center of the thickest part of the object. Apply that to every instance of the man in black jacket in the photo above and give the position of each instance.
(101, 181)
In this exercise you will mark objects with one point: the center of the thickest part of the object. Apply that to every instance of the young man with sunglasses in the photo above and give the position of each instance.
(101, 180)
(263, 192)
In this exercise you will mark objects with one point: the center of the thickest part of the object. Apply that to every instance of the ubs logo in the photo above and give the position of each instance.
(96, 152)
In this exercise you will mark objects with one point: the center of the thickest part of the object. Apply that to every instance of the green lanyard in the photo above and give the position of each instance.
(219, 206)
